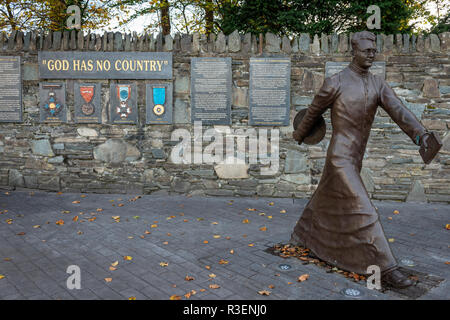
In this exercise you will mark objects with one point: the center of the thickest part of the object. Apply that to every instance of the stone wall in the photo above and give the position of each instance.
(135, 158)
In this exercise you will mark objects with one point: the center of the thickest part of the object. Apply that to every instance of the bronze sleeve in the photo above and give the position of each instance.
(401, 115)
(322, 100)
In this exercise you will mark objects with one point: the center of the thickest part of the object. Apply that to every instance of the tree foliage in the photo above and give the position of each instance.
(51, 14)
(317, 16)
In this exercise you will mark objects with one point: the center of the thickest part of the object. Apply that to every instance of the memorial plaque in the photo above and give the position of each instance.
(211, 90)
(378, 68)
(270, 83)
(52, 102)
(88, 108)
(123, 103)
(10, 89)
(159, 103)
(105, 65)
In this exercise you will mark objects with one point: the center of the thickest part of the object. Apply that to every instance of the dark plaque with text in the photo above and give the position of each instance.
(52, 102)
(105, 65)
(88, 107)
(270, 91)
(123, 103)
(211, 90)
(159, 103)
(10, 89)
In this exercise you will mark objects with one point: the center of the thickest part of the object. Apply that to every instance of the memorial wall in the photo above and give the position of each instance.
(117, 113)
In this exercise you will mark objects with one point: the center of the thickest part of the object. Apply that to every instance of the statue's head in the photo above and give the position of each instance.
(364, 48)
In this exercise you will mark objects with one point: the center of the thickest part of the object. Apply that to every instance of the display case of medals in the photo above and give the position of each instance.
(159, 103)
(87, 102)
(52, 97)
(123, 104)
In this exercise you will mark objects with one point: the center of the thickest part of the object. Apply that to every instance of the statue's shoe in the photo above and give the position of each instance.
(397, 279)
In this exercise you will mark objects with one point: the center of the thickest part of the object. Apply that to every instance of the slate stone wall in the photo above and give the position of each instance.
(135, 158)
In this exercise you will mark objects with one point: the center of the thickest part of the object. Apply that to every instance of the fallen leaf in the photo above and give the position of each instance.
(447, 226)
(112, 269)
(130, 237)
(264, 292)
(189, 278)
(207, 267)
(269, 217)
(283, 211)
(245, 221)
(251, 209)
(92, 219)
(390, 218)
(447, 262)
(271, 286)
(271, 203)
(205, 241)
(289, 283)
(132, 298)
(120, 205)
(21, 234)
(108, 279)
(7, 259)
(147, 232)
(60, 222)
(80, 232)
(99, 210)
(1, 276)
(214, 222)
(216, 236)
(76, 201)
(166, 242)
(83, 196)
(163, 264)
(263, 228)
(185, 220)
(396, 212)
(228, 238)
(115, 263)
(65, 211)
(188, 295)
(75, 218)
(232, 251)
(251, 244)
(128, 258)
(303, 277)
(391, 239)
(200, 219)
(222, 261)
(9, 221)
(214, 286)
(154, 226)
(175, 297)
(202, 290)
(212, 275)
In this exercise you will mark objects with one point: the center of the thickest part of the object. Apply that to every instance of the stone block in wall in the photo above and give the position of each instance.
(444, 89)
(286, 45)
(196, 42)
(181, 113)
(73, 40)
(315, 47)
(420, 45)
(87, 132)
(299, 178)
(398, 42)
(247, 43)
(80, 40)
(42, 147)
(186, 43)
(240, 96)
(15, 178)
(182, 84)
(30, 72)
(388, 43)
(324, 43)
(343, 43)
(366, 177)
(304, 42)
(272, 42)
(417, 193)
(435, 44)
(234, 42)
(49, 183)
(430, 88)
(116, 151)
(220, 45)
(295, 162)
(405, 47)
(118, 42)
(232, 171)
(445, 41)
(168, 43)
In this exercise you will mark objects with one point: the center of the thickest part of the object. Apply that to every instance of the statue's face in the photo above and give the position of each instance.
(364, 53)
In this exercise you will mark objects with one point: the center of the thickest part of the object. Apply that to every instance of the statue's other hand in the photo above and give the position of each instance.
(297, 137)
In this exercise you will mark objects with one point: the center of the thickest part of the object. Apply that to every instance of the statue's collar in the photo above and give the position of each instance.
(358, 70)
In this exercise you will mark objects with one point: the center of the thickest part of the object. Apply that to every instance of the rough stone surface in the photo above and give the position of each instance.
(42, 147)
(232, 171)
(272, 43)
(234, 41)
(430, 88)
(295, 162)
(116, 151)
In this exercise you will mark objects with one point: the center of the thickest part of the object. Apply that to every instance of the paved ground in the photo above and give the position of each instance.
(35, 251)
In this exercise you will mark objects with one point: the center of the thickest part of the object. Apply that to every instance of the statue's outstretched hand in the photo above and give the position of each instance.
(297, 137)
(423, 140)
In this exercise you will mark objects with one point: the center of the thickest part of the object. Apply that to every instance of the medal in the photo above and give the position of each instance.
(159, 98)
(87, 92)
(52, 106)
(123, 93)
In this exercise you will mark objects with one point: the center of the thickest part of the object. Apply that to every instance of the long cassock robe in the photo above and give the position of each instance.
(340, 224)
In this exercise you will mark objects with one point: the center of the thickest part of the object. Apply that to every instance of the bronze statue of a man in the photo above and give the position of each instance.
(340, 224)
